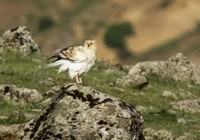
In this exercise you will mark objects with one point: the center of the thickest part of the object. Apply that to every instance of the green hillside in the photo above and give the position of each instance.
(30, 71)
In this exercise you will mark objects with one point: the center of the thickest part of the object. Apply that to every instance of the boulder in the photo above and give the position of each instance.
(83, 113)
(13, 93)
(19, 38)
(177, 67)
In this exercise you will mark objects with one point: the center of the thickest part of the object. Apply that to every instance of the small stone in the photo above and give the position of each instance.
(181, 121)
(3, 117)
(158, 134)
(137, 81)
(56, 88)
(149, 138)
(172, 112)
(36, 110)
(52, 91)
(142, 109)
(169, 94)
(163, 135)
(153, 109)
(48, 81)
(149, 132)
(190, 106)
(186, 136)
(46, 102)
(185, 94)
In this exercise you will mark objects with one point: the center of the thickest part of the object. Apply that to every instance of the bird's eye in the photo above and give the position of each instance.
(89, 44)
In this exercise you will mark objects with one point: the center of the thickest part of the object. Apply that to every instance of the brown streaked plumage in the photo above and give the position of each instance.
(77, 60)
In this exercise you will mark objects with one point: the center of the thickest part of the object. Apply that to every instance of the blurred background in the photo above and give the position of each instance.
(127, 31)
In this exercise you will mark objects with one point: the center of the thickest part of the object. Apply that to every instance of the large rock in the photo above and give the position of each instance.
(19, 38)
(177, 67)
(13, 93)
(83, 113)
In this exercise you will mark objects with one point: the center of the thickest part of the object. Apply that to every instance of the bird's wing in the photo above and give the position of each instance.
(75, 54)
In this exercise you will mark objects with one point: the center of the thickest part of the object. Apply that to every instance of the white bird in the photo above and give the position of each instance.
(77, 60)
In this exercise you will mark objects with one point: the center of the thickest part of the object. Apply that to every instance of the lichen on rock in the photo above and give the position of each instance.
(13, 93)
(177, 67)
(19, 38)
(83, 113)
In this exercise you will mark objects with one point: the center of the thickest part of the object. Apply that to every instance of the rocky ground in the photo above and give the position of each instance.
(153, 99)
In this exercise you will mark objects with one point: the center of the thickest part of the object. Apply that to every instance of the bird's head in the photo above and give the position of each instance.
(90, 44)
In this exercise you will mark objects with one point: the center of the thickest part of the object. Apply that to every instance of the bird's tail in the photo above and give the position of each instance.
(57, 57)
(62, 64)
(55, 62)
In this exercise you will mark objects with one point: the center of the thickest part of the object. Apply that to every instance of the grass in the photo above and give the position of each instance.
(25, 70)
(194, 49)
(15, 112)
(29, 70)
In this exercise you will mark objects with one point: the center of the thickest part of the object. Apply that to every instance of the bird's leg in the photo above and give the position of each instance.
(80, 80)
(77, 80)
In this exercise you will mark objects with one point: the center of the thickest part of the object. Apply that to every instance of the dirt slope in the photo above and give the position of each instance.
(156, 25)
(155, 22)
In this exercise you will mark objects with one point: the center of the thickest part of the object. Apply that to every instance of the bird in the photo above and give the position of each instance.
(77, 60)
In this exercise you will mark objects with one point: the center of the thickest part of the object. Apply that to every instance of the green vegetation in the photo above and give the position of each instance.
(15, 112)
(24, 70)
(29, 70)
(45, 23)
(115, 34)
(115, 38)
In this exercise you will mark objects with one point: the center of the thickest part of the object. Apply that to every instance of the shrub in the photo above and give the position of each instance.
(115, 34)
(45, 23)
(165, 3)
